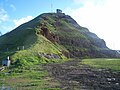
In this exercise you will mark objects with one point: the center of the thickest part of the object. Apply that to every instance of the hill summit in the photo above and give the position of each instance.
(53, 36)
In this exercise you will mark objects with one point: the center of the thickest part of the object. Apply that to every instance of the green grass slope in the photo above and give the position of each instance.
(12, 43)
(76, 40)
(31, 56)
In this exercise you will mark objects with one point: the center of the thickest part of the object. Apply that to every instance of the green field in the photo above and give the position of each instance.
(113, 64)
(27, 78)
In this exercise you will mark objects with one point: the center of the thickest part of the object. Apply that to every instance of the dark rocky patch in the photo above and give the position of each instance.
(50, 36)
(49, 56)
(74, 76)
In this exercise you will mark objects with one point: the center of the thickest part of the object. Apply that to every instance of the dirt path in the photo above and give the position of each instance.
(74, 76)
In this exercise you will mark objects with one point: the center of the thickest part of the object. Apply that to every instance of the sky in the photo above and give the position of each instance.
(101, 17)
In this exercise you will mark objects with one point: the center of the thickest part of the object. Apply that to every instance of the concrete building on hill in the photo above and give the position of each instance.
(58, 11)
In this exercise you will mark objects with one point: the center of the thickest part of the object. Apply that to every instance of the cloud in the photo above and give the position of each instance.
(4, 18)
(102, 19)
(10, 25)
(3, 15)
(22, 20)
(86, 1)
(4, 29)
(13, 7)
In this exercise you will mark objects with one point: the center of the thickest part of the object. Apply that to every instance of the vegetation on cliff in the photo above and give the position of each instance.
(51, 36)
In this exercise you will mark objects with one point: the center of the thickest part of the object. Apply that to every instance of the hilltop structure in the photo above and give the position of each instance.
(58, 10)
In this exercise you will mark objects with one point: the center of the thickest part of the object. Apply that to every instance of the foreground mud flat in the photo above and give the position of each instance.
(74, 76)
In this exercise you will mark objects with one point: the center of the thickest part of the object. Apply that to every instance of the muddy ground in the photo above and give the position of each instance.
(72, 75)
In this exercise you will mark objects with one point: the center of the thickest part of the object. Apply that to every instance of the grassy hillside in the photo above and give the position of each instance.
(31, 56)
(33, 45)
(51, 35)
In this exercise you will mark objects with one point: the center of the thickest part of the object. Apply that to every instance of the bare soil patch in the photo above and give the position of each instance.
(74, 76)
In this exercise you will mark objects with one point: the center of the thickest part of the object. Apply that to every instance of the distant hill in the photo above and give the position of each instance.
(52, 35)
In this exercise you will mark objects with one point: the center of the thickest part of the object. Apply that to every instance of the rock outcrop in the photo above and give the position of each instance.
(46, 33)
(49, 56)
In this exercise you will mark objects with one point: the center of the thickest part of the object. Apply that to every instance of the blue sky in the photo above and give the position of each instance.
(99, 16)
(14, 10)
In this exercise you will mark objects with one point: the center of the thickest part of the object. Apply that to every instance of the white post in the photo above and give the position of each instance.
(8, 57)
(23, 47)
(18, 48)
(7, 49)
